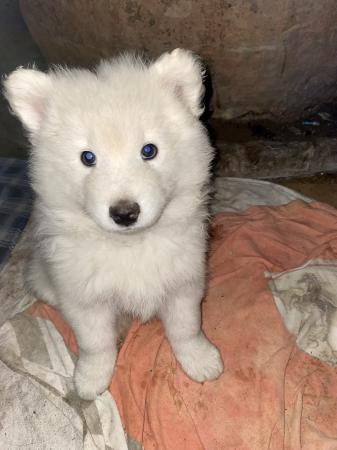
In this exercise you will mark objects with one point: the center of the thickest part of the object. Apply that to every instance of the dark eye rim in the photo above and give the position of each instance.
(88, 163)
(152, 156)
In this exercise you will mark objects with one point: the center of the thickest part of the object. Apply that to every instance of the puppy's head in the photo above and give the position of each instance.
(121, 144)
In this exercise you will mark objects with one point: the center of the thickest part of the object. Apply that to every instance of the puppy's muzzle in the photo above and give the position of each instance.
(124, 213)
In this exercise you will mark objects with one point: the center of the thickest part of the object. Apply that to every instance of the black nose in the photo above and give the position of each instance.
(124, 213)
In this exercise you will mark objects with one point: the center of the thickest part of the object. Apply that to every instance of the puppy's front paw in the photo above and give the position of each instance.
(200, 359)
(89, 388)
(90, 379)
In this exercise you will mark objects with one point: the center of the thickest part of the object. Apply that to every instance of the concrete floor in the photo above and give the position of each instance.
(322, 188)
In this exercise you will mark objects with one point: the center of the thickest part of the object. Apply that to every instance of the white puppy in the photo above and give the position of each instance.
(120, 168)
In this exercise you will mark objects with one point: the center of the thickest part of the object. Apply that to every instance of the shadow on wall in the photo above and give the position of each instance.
(16, 49)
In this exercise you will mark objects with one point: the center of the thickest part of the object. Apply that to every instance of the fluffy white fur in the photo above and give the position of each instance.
(86, 265)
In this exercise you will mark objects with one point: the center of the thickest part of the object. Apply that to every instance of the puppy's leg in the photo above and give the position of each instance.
(181, 317)
(95, 334)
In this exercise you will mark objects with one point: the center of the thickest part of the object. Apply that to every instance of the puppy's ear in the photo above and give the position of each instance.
(182, 71)
(27, 92)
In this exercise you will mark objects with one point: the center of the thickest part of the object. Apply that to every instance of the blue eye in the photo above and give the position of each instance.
(149, 151)
(88, 158)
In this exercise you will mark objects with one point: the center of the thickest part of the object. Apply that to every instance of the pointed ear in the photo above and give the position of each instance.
(183, 72)
(27, 92)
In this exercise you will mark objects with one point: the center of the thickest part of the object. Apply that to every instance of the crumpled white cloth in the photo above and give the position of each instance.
(238, 194)
(306, 297)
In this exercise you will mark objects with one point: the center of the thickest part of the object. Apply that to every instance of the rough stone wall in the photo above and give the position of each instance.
(274, 58)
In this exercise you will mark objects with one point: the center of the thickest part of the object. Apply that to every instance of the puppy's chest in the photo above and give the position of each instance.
(138, 272)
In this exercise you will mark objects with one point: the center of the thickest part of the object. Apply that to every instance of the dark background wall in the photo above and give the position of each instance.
(16, 49)
(268, 58)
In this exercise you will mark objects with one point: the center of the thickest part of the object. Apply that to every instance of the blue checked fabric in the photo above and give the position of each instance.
(15, 204)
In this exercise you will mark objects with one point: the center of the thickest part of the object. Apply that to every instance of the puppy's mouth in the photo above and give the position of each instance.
(135, 228)
(132, 229)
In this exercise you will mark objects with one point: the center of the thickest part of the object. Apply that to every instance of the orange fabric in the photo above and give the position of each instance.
(271, 395)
